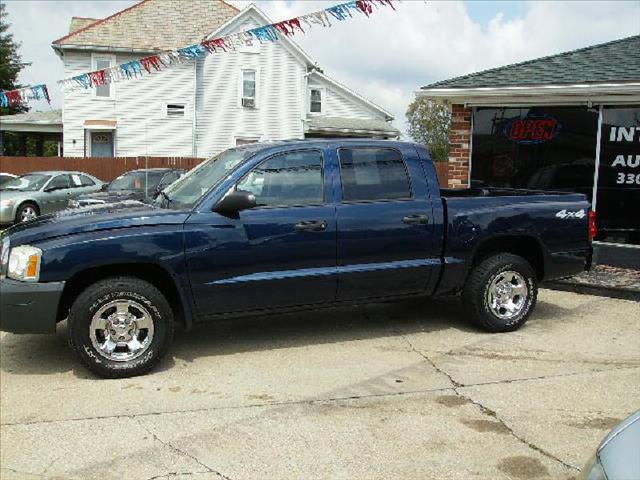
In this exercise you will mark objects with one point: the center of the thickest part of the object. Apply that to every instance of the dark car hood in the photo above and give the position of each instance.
(93, 218)
(114, 196)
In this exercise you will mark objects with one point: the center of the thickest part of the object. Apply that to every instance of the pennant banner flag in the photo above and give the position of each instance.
(153, 63)
(14, 98)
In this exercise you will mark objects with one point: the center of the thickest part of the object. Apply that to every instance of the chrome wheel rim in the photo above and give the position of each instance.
(507, 294)
(121, 330)
(28, 213)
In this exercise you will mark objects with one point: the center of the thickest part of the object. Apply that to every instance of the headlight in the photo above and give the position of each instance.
(74, 204)
(593, 470)
(4, 256)
(7, 203)
(24, 263)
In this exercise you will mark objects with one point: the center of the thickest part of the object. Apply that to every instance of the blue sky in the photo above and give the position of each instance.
(482, 11)
(385, 57)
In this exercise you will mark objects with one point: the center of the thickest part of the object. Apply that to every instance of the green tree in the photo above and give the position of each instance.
(429, 124)
(10, 61)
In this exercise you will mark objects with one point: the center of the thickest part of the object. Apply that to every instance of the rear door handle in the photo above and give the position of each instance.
(311, 226)
(416, 219)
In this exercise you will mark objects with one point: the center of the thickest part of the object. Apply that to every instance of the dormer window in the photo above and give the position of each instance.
(315, 100)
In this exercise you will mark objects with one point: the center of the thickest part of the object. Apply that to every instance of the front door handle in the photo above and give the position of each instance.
(416, 219)
(311, 226)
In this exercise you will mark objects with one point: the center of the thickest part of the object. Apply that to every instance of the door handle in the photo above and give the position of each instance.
(311, 226)
(416, 219)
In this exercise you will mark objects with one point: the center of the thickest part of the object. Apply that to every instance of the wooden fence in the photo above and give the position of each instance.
(442, 169)
(109, 168)
(104, 168)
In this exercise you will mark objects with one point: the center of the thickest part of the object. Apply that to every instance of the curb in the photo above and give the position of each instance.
(584, 289)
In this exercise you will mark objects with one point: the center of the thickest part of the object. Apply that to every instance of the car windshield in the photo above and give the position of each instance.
(139, 180)
(27, 183)
(188, 190)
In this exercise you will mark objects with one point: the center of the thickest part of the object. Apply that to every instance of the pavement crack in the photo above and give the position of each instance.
(20, 472)
(455, 383)
(483, 409)
(179, 452)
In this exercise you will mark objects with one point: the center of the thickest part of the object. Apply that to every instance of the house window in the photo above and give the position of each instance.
(315, 99)
(249, 88)
(103, 91)
(175, 110)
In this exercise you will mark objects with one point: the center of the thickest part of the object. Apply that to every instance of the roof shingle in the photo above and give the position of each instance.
(617, 61)
(152, 25)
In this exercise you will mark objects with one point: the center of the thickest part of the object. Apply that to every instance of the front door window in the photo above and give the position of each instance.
(102, 144)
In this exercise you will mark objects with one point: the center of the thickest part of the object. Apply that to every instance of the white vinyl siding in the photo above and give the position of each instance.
(280, 101)
(338, 103)
(210, 91)
(138, 106)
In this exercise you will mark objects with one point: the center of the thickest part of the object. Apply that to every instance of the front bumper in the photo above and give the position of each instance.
(29, 307)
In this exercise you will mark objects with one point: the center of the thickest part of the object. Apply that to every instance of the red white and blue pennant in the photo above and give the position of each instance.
(263, 34)
(20, 96)
(161, 61)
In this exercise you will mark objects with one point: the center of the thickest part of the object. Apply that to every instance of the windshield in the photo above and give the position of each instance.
(27, 183)
(147, 181)
(188, 190)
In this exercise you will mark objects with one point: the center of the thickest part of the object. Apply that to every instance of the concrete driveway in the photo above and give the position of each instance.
(404, 390)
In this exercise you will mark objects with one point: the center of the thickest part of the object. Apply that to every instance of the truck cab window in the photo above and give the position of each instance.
(370, 174)
(286, 180)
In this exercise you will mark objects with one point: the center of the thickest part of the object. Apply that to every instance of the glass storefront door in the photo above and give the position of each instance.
(618, 193)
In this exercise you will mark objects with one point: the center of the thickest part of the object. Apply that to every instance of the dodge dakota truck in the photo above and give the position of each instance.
(279, 227)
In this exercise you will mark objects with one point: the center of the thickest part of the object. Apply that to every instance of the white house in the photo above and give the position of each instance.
(265, 91)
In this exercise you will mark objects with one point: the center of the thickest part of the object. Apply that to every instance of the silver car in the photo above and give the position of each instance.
(618, 456)
(38, 193)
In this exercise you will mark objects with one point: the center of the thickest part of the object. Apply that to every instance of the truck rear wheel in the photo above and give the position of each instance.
(120, 327)
(501, 293)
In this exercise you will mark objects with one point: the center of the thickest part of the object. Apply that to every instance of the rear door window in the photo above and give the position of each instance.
(370, 174)
(59, 182)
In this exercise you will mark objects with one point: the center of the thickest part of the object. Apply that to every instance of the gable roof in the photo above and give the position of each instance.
(612, 62)
(151, 25)
(312, 66)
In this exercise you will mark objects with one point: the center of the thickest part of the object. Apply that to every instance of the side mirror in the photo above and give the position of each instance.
(50, 189)
(235, 202)
(104, 187)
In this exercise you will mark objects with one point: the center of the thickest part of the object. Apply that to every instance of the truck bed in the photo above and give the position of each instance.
(494, 192)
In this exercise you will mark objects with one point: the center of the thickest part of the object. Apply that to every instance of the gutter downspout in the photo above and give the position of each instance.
(305, 94)
(194, 122)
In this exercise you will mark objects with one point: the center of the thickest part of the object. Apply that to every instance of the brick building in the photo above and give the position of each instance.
(567, 122)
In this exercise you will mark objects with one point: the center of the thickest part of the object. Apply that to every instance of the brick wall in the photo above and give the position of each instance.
(460, 152)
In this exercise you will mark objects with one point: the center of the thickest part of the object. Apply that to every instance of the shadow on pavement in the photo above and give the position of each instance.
(50, 354)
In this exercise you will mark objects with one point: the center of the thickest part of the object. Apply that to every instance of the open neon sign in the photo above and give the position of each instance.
(532, 129)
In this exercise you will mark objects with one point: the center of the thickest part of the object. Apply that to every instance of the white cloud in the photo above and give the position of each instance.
(389, 55)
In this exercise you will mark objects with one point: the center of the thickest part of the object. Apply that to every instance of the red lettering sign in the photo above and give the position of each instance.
(532, 129)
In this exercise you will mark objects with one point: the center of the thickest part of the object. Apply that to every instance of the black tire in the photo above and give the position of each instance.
(23, 208)
(100, 294)
(476, 295)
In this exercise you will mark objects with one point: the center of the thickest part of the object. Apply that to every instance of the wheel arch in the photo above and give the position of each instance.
(150, 272)
(525, 246)
(28, 200)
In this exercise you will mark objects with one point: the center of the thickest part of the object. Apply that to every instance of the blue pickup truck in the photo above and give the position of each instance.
(278, 227)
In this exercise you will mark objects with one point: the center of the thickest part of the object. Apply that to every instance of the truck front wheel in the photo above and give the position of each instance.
(120, 327)
(501, 292)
